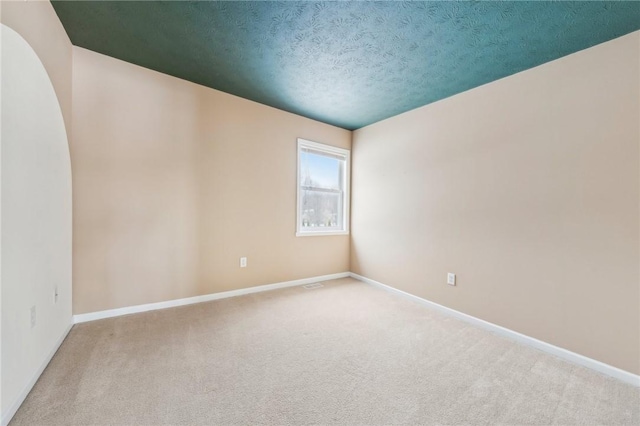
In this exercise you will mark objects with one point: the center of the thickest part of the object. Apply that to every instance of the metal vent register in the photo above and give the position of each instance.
(314, 285)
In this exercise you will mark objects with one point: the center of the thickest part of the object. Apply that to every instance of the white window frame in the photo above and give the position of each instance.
(332, 150)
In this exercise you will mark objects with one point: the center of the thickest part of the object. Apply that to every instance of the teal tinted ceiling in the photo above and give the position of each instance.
(345, 63)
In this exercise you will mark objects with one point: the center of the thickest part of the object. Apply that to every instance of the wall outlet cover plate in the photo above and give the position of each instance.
(451, 279)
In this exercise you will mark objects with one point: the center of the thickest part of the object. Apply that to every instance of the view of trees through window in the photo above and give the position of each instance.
(321, 190)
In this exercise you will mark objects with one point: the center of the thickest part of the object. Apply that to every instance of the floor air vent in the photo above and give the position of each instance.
(314, 285)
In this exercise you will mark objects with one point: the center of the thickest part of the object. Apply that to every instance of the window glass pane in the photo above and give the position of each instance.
(321, 209)
(323, 200)
(319, 171)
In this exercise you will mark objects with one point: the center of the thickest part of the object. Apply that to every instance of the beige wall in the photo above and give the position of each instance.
(174, 182)
(528, 189)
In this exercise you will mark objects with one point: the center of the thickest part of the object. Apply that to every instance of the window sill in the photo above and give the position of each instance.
(320, 233)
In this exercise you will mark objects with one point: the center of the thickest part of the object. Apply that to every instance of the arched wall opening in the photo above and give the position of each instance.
(35, 226)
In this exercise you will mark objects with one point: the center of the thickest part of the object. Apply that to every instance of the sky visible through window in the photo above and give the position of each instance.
(323, 171)
(322, 194)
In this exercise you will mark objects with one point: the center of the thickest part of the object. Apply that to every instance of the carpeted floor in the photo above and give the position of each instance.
(345, 353)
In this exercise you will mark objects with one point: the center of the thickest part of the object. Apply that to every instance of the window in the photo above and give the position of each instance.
(323, 189)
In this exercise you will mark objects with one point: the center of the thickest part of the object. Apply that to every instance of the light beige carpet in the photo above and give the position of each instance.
(346, 353)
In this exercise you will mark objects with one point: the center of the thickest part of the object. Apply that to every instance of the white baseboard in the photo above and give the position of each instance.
(565, 354)
(13, 408)
(92, 316)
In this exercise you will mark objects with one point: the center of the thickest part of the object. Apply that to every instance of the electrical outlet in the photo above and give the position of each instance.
(33, 316)
(451, 279)
(243, 262)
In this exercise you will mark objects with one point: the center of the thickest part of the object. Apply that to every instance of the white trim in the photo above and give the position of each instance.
(322, 147)
(317, 233)
(565, 354)
(13, 408)
(346, 199)
(92, 316)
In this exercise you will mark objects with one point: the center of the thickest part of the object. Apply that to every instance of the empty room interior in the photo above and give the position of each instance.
(302, 212)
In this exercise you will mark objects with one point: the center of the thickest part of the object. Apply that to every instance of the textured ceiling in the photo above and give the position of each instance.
(345, 63)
